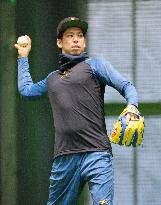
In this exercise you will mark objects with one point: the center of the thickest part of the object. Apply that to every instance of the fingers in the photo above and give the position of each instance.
(23, 46)
(16, 46)
(129, 117)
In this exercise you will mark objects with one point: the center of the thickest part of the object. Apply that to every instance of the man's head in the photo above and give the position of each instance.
(71, 35)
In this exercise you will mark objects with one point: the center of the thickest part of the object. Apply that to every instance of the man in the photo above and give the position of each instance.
(82, 152)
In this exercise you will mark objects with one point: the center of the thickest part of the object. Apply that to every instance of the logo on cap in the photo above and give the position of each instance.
(72, 18)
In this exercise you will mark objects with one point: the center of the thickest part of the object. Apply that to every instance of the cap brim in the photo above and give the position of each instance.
(74, 23)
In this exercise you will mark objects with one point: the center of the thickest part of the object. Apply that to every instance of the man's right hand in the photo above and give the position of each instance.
(23, 51)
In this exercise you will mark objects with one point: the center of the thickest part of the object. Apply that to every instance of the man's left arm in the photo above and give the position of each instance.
(106, 73)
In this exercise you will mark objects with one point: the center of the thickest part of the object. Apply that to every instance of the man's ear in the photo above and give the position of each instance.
(85, 43)
(59, 43)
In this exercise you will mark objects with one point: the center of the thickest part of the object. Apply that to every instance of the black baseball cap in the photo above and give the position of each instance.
(71, 22)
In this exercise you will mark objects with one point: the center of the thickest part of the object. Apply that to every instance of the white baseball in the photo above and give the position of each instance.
(22, 41)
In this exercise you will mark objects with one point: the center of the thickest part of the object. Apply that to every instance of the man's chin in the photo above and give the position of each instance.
(76, 53)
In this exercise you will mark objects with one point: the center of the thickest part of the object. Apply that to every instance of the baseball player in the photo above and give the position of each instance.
(82, 150)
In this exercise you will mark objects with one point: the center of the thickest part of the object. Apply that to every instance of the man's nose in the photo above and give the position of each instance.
(75, 39)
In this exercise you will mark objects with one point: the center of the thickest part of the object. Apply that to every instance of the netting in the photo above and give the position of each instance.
(128, 34)
(111, 35)
(146, 175)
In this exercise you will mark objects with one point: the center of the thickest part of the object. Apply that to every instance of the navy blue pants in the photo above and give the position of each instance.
(70, 172)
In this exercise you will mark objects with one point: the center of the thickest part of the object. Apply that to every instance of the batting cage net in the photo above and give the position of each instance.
(128, 34)
(125, 32)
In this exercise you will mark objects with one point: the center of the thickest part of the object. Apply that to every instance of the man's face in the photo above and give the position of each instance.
(72, 42)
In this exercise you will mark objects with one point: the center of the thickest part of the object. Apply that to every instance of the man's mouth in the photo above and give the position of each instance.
(76, 47)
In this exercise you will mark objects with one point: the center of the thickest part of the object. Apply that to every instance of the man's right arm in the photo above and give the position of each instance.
(25, 84)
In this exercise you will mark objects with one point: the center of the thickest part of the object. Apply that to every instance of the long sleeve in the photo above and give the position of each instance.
(106, 73)
(26, 86)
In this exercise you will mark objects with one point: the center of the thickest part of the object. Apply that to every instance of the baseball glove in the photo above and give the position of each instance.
(131, 134)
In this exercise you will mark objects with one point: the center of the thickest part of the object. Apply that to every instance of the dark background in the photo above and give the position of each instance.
(26, 131)
(127, 31)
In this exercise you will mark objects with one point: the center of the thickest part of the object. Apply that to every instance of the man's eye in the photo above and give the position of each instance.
(81, 35)
(70, 36)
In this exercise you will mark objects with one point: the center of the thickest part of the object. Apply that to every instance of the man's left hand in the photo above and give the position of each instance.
(131, 116)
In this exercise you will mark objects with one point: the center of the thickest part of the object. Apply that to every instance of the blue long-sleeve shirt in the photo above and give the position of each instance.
(100, 67)
(77, 99)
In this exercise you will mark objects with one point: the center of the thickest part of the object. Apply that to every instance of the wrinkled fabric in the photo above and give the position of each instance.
(67, 61)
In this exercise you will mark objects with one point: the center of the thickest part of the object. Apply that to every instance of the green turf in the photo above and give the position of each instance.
(144, 108)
